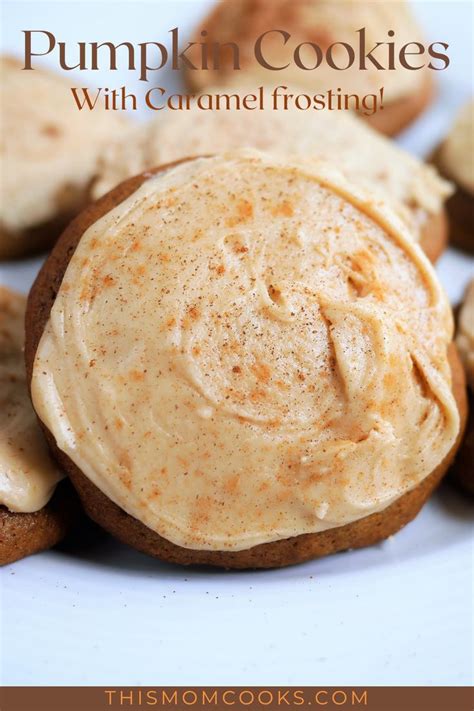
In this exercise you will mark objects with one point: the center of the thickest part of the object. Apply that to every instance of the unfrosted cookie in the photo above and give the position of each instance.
(250, 363)
(407, 92)
(36, 508)
(414, 190)
(49, 151)
(455, 160)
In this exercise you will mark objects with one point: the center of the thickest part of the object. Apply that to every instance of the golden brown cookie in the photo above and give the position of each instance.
(454, 159)
(406, 93)
(462, 470)
(33, 516)
(413, 189)
(22, 534)
(460, 209)
(49, 153)
(50, 284)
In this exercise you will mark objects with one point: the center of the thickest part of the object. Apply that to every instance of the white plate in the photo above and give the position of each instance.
(397, 613)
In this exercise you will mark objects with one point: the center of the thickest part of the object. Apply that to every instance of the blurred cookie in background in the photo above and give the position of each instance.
(455, 159)
(343, 31)
(37, 505)
(463, 470)
(413, 189)
(465, 334)
(49, 151)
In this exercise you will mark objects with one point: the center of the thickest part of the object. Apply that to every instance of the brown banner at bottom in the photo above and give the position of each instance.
(380, 698)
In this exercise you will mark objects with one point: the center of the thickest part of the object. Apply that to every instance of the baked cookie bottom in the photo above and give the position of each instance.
(399, 114)
(126, 528)
(462, 472)
(22, 534)
(31, 241)
(460, 208)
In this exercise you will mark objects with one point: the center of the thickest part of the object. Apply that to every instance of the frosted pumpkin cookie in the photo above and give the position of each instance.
(463, 469)
(413, 189)
(48, 152)
(455, 159)
(407, 92)
(35, 513)
(244, 362)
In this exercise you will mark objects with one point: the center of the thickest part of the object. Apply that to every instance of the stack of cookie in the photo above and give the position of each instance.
(239, 351)
(49, 154)
(38, 504)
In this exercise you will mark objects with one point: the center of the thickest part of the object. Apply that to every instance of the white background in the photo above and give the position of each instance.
(398, 613)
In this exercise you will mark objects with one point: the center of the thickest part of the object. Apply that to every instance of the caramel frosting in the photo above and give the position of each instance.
(246, 350)
(313, 21)
(465, 333)
(413, 189)
(27, 474)
(456, 154)
(48, 148)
